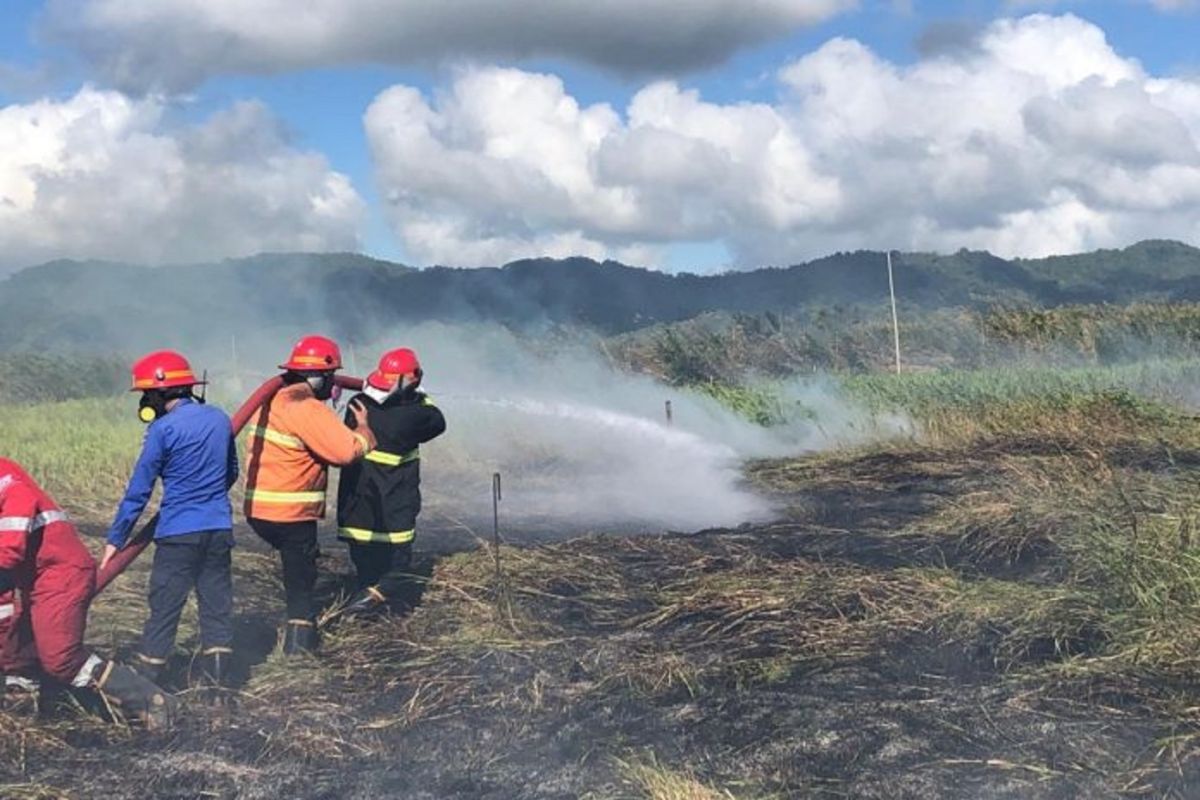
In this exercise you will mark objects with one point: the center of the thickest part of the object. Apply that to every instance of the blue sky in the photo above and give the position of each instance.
(321, 107)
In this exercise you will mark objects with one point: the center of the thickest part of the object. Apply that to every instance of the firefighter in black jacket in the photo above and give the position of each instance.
(379, 496)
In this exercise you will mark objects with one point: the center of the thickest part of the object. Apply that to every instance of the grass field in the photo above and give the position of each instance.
(1006, 604)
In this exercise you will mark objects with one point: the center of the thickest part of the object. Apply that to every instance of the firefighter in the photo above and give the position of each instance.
(379, 497)
(47, 578)
(190, 446)
(294, 439)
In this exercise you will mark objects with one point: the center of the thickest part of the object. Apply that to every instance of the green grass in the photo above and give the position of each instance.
(81, 450)
(950, 405)
(928, 392)
(27, 377)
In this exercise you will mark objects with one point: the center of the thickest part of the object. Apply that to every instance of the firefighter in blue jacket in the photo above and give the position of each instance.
(190, 446)
(379, 496)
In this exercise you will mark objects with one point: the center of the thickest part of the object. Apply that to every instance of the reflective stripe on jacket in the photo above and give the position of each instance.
(35, 534)
(294, 439)
(379, 497)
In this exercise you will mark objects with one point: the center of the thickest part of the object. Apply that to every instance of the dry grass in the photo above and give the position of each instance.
(652, 781)
(1060, 563)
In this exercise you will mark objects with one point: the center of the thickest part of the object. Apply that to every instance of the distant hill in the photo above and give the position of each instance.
(108, 306)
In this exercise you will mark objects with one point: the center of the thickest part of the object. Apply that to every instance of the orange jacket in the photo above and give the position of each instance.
(293, 440)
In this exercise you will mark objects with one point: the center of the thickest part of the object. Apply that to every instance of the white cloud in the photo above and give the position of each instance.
(1038, 139)
(100, 175)
(177, 43)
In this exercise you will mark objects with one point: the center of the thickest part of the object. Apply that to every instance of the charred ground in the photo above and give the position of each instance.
(993, 616)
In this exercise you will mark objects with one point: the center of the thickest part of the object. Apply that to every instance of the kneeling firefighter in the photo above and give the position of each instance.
(379, 497)
(46, 581)
(190, 446)
(294, 439)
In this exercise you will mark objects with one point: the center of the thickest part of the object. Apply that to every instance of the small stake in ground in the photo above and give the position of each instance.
(895, 319)
(496, 497)
(670, 418)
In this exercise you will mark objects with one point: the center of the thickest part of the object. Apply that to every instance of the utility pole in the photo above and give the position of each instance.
(895, 319)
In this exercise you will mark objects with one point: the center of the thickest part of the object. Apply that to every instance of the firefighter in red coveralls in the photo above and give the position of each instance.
(47, 578)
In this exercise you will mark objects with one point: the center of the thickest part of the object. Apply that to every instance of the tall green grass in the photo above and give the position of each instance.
(41, 377)
(1164, 380)
(82, 451)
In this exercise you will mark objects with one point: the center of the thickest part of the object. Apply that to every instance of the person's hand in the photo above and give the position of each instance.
(110, 550)
(360, 413)
(361, 427)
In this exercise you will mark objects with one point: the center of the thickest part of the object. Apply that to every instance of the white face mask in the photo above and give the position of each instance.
(322, 386)
(378, 395)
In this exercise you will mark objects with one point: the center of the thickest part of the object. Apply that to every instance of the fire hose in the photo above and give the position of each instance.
(141, 540)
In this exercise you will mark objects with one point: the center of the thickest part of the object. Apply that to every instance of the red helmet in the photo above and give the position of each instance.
(314, 354)
(162, 369)
(394, 365)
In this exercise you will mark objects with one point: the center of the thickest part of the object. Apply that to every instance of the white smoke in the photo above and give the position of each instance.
(581, 445)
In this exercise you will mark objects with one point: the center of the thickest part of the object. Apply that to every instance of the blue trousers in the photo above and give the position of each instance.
(193, 561)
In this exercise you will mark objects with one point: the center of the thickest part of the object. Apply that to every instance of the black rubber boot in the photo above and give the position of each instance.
(137, 696)
(214, 667)
(19, 695)
(300, 636)
(365, 602)
(152, 669)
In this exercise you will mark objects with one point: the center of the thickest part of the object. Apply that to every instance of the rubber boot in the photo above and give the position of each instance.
(365, 602)
(152, 669)
(19, 695)
(300, 636)
(214, 666)
(135, 695)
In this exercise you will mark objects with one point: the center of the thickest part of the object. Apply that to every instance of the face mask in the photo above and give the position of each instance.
(152, 406)
(322, 386)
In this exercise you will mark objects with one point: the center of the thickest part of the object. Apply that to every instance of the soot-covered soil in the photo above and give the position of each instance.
(811, 657)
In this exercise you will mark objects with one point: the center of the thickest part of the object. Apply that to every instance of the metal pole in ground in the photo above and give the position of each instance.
(895, 319)
(496, 497)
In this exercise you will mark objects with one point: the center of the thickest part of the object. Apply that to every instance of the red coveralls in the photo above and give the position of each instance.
(42, 622)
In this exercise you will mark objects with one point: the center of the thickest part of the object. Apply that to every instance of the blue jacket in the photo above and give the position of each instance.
(193, 450)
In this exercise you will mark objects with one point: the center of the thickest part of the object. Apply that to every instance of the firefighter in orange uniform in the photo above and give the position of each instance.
(295, 437)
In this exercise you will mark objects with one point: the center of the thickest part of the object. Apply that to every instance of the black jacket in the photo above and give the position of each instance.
(379, 496)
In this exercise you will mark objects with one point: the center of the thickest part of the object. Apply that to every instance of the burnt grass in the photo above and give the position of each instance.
(810, 657)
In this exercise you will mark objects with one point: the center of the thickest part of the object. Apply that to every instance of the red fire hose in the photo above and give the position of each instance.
(141, 540)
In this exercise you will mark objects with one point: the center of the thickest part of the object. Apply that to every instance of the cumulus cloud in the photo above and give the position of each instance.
(100, 175)
(1037, 138)
(177, 43)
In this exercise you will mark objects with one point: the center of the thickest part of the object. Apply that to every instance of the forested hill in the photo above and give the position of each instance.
(109, 306)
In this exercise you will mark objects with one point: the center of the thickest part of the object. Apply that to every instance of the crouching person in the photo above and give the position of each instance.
(379, 497)
(47, 578)
(190, 446)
